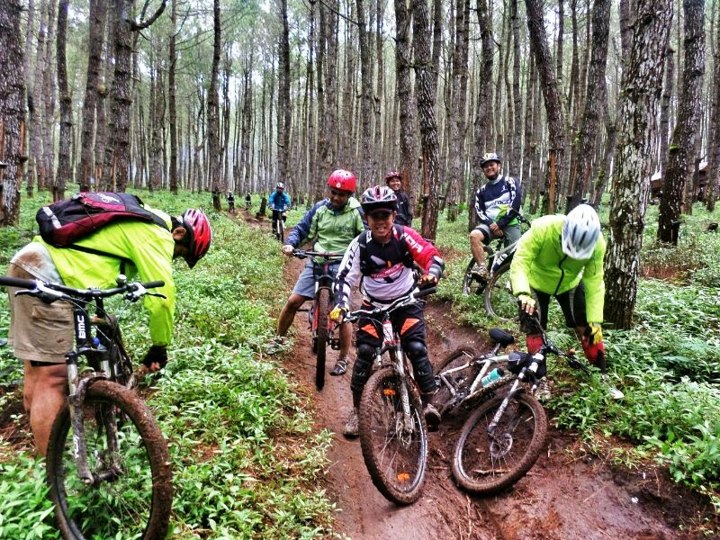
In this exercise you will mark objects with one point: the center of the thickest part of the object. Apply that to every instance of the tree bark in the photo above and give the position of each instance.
(12, 112)
(283, 110)
(553, 106)
(713, 166)
(213, 110)
(425, 96)
(64, 166)
(172, 100)
(584, 149)
(406, 113)
(366, 147)
(686, 135)
(637, 115)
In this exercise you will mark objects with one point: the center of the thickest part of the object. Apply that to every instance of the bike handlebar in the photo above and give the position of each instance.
(411, 298)
(305, 253)
(49, 292)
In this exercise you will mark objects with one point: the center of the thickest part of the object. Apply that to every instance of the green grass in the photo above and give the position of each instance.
(245, 457)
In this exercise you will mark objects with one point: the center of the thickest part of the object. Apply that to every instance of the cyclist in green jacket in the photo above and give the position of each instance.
(41, 334)
(331, 224)
(562, 256)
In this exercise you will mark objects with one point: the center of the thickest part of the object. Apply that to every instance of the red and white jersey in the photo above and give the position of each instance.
(385, 271)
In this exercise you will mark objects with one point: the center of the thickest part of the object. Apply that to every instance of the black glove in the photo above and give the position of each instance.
(156, 354)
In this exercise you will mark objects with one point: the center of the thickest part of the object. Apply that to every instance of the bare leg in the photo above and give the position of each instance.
(476, 246)
(345, 339)
(287, 315)
(44, 397)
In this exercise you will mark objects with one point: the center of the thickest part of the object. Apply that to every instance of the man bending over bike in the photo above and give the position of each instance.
(493, 203)
(562, 256)
(332, 224)
(382, 261)
(41, 334)
(279, 203)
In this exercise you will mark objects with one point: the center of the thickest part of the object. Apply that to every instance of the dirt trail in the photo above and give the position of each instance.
(568, 494)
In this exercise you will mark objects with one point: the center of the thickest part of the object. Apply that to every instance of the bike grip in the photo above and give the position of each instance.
(18, 282)
(425, 292)
(153, 284)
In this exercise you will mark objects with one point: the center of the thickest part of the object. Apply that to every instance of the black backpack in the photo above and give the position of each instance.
(65, 222)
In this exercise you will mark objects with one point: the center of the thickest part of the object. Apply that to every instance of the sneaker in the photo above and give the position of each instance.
(542, 392)
(352, 428)
(276, 345)
(432, 417)
(614, 393)
(340, 367)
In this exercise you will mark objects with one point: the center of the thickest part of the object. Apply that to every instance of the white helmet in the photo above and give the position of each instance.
(580, 232)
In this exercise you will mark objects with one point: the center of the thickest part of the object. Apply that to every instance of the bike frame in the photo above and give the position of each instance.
(323, 280)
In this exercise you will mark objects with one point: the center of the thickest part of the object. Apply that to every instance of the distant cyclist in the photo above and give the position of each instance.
(331, 224)
(279, 203)
(404, 215)
(381, 261)
(493, 202)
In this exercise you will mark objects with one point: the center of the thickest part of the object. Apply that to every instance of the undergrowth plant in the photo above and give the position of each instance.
(245, 457)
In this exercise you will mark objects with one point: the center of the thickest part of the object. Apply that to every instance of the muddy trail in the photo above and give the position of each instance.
(568, 494)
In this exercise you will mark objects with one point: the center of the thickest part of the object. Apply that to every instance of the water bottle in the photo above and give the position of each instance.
(495, 375)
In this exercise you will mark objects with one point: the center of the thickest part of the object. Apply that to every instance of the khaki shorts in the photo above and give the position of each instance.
(39, 332)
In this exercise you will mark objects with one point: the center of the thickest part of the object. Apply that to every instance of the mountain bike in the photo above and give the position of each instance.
(505, 434)
(320, 325)
(108, 466)
(392, 429)
(495, 287)
(278, 218)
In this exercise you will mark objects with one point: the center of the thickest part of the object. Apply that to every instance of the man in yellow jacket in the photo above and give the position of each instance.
(562, 256)
(41, 334)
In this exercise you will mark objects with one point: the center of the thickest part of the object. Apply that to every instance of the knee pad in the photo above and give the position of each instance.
(415, 349)
(361, 369)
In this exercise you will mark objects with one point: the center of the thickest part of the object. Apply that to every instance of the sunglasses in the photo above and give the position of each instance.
(380, 214)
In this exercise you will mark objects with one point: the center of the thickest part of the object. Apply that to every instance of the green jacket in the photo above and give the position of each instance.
(148, 247)
(539, 263)
(332, 230)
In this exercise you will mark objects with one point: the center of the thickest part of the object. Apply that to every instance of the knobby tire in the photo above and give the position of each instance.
(499, 300)
(137, 503)
(471, 284)
(483, 467)
(321, 339)
(395, 457)
(458, 357)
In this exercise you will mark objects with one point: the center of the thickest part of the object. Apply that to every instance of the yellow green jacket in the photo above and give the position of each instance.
(148, 253)
(539, 263)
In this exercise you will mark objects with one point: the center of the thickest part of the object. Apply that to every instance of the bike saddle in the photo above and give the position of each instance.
(502, 337)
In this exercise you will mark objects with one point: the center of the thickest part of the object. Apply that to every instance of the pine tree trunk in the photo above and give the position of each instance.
(172, 100)
(425, 96)
(553, 106)
(631, 180)
(283, 110)
(64, 166)
(682, 151)
(365, 165)
(12, 112)
(406, 113)
(713, 167)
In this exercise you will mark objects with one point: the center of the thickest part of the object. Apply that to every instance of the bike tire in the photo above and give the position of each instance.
(483, 467)
(140, 499)
(321, 341)
(499, 300)
(395, 458)
(472, 285)
(458, 357)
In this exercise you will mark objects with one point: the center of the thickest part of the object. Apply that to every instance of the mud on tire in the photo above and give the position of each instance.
(396, 457)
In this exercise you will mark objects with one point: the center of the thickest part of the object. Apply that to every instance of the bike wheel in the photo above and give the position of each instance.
(395, 450)
(444, 398)
(136, 500)
(484, 464)
(499, 299)
(323, 306)
(472, 284)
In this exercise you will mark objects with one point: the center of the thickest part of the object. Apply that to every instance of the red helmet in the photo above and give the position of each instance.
(198, 225)
(342, 180)
(393, 174)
